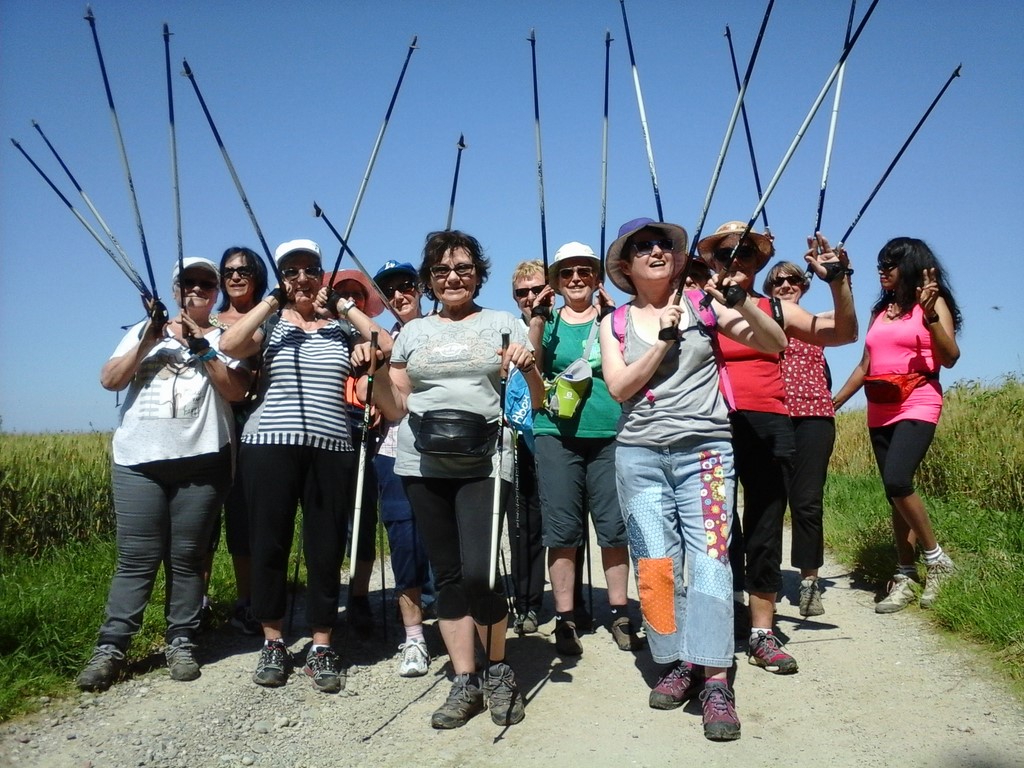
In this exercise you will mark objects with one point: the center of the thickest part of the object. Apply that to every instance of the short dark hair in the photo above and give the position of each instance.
(253, 262)
(440, 243)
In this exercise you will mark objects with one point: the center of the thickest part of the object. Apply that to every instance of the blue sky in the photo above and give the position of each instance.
(299, 89)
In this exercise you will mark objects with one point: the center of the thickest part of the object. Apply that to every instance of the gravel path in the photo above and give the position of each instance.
(872, 691)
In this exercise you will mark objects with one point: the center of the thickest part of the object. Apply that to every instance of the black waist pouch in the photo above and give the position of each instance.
(451, 432)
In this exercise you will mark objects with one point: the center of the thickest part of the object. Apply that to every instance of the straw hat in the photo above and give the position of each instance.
(728, 234)
(671, 231)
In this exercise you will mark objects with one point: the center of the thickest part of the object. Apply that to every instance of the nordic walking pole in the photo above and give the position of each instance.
(174, 167)
(604, 145)
(496, 498)
(913, 133)
(455, 181)
(187, 71)
(746, 129)
(373, 157)
(643, 113)
(124, 154)
(706, 301)
(540, 158)
(729, 130)
(364, 449)
(121, 260)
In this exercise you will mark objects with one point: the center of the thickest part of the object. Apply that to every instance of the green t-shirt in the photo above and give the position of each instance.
(597, 414)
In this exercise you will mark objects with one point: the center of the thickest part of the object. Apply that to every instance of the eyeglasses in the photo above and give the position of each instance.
(312, 273)
(886, 266)
(568, 272)
(797, 281)
(406, 286)
(746, 253)
(441, 271)
(646, 247)
(206, 285)
(522, 293)
(243, 272)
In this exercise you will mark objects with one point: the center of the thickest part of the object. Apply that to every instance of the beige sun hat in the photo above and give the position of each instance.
(728, 234)
(573, 250)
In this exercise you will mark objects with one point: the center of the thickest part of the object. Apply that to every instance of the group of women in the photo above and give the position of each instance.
(671, 396)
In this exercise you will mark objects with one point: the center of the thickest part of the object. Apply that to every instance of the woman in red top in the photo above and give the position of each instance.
(762, 432)
(912, 333)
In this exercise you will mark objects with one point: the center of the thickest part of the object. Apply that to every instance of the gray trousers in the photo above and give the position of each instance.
(165, 513)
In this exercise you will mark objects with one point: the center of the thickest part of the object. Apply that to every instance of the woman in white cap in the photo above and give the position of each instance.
(575, 443)
(674, 461)
(762, 431)
(171, 469)
(297, 446)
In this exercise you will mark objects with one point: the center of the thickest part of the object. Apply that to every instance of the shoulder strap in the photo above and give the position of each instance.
(619, 325)
(776, 307)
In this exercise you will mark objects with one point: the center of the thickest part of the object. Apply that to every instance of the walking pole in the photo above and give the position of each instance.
(735, 296)
(364, 449)
(373, 157)
(896, 159)
(746, 129)
(540, 158)
(187, 71)
(174, 168)
(643, 113)
(604, 146)
(455, 181)
(124, 154)
(729, 130)
(496, 498)
(120, 259)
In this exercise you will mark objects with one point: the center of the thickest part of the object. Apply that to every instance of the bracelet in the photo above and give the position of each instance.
(931, 319)
(541, 311)
(834, 270)
(208, 355)
(671, 333)
(344, 309)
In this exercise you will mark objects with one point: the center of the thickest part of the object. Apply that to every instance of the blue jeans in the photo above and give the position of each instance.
(677, 504)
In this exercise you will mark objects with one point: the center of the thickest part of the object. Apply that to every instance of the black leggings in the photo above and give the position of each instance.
(899, 450)
(815, 438)
(454, 520)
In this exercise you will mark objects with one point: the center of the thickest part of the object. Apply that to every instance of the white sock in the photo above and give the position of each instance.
(314, 648)
(931, 556)
(909, 571)
(414, 633)
(755, 632)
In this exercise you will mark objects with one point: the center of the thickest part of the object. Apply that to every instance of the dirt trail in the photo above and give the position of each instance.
(872, 691)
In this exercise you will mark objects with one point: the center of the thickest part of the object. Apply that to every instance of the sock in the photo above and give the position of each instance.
(755, 633)
(564, 616)
(617, 610)
(314, 648)
(931, 556)
(415, 632)
(275, 640)
(907, 570)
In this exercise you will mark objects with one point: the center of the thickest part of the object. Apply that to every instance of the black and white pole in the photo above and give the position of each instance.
(746, 129)
(604, 145)
(540, 155)
(455, 181)
(364, 449)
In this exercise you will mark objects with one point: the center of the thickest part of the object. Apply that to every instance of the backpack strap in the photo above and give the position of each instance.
(619, 325)
(709, 322)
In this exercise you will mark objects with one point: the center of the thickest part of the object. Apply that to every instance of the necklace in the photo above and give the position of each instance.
(892, 312)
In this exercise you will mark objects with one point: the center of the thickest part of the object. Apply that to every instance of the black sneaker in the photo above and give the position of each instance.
(359, 615)
(106, 663)
(465, 700)
(180, 662)
(243, 620)
(503, 697)
(273, 667)
(526, 623)
(324, 666)
(567, 642)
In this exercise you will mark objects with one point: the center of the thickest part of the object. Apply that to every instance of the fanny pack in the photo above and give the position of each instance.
(892, 387)
(451, 432)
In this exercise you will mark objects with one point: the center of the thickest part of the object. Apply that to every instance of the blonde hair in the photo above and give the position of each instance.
(527, 269)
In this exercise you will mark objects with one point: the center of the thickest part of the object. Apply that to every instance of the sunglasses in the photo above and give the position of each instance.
(206, 285)
(797, 281)
(646, 247)
(886, 266)
(441, 271)
(746, 253)
(312, 273)
(243, 272)
(522, 293)
(567, 273)
(406, 286)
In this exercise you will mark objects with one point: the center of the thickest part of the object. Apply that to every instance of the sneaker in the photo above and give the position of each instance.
(938, 572)
(719, 713)
(766, 651)
(180, 662)
(273, 666)
(810, 598)
(584, 621)
(624, 635)
(567, 642)
(526, 623)
(324, 666)
(415, 659)
(243, 620)
(106, 663)
(465, 700)
(677, 684)
(359, 615)
(901, 594)
(503, 697)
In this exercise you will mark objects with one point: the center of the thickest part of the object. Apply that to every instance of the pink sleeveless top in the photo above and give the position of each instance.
(904, 345)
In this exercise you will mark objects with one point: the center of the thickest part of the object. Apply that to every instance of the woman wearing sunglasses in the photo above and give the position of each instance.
(171, 470)
(911, 336)
(762, 431)
(575, 444)
(297, 447)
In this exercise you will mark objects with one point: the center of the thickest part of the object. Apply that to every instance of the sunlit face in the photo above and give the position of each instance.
(303, 274)
(403, 295)
(239, 280)
(888, 275)
(577, 278)
(744, 263)
(352, 289)
(201, 289)
(788, 287)
(526, 289)
(449, 286)
(648, 256)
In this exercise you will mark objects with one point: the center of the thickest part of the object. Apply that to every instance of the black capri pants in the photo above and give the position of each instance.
(899, 450)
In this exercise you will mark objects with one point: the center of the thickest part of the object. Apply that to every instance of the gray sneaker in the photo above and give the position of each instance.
(901, 594)
(272, 668)
(526, 623)
(324, 667)
(106, 663)
(938, 573)
(180, 662)
(810, 598)
(503, 697)
(465, 700)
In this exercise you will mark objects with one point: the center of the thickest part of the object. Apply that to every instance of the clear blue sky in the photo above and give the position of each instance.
(299, 90)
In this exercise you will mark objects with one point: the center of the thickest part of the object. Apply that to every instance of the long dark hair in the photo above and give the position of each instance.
(912, 257)
(440, 243)
(259, 274)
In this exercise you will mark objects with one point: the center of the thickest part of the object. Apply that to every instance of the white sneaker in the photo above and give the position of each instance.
(901, 594)
(415, 659)
(938, 573)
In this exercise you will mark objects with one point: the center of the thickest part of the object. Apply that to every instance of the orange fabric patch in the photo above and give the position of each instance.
(656, 584)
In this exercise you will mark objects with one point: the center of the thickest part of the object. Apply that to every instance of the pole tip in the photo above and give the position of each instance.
(88, 14)
(462, 141)
(167, 30)
(414, 39)
(15, 142)
(317, 210)
(607, 35)
(186, 70)
(35, 124)
(956, 72)
(533, 35)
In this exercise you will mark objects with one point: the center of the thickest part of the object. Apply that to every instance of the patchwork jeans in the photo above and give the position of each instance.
(677, 504)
